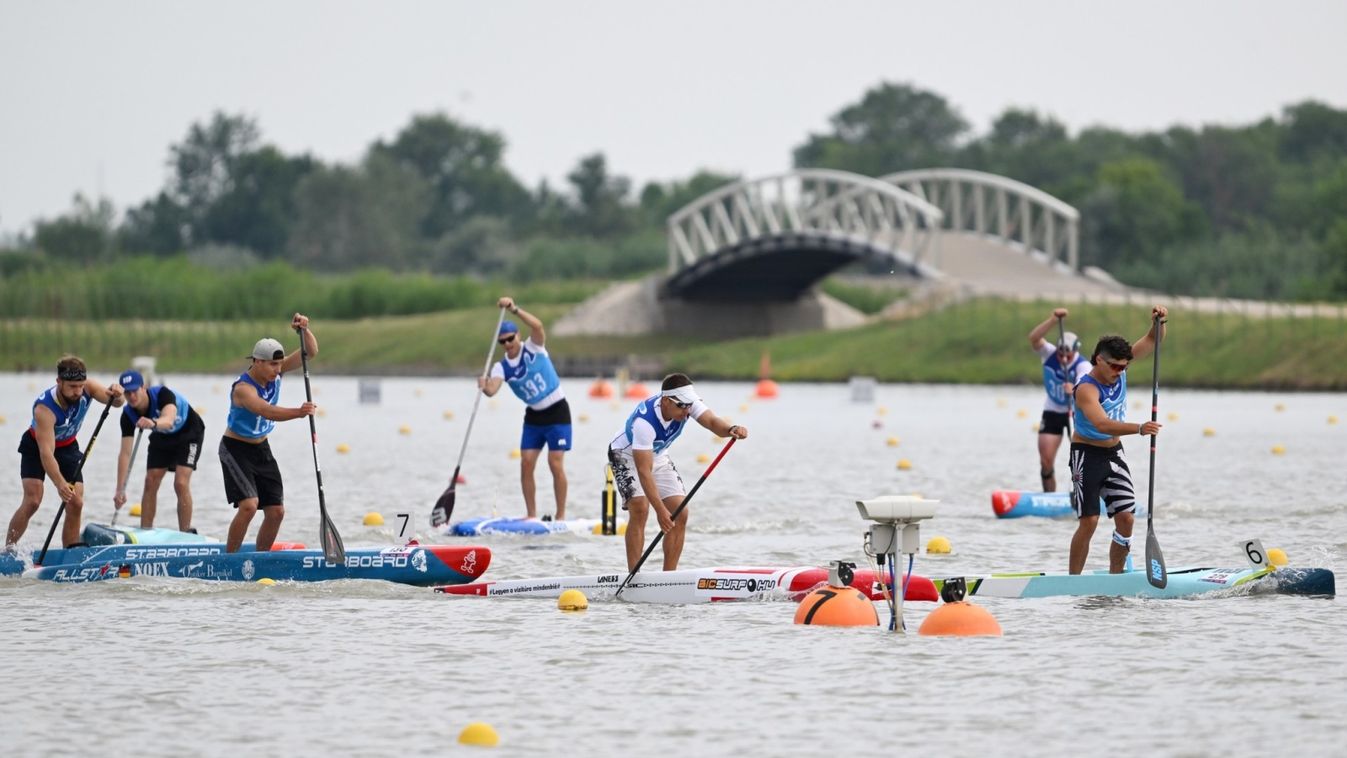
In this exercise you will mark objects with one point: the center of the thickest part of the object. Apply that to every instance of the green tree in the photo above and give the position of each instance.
(894, 127)
(601, 208)
(205, 165)
(257, 205)
(1313, 129)
(157, 226)
(85, 235)
(660, 201)
(1133, 213)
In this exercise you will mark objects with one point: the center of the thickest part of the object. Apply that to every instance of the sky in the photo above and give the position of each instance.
(93, 93)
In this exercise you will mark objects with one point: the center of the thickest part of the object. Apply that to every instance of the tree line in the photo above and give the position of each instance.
(1258, 210)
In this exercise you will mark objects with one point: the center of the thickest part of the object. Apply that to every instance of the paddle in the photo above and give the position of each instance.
(333, 550)
(444, 507)
(129, 465)
(1156, 573)
(1069, 374)
(83, 457)
(674, 516)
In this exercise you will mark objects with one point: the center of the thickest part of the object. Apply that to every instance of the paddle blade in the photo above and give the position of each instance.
(333, 550)
(444, 507)
(1156, 573)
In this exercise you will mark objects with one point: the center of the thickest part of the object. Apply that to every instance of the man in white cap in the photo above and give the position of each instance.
(251, 477)
(176, 434)
(642, 471)
(1063, 366)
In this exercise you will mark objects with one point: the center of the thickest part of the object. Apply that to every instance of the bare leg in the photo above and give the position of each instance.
(271, 526)
(238, 528)
(1080, 542)
(182, 487)
(32, 498)
(70, 529)
(1117, 554)
(1048, 444)
(528, 459)
(149, 499)
(638, 509)
(556, 462)
(673, 541)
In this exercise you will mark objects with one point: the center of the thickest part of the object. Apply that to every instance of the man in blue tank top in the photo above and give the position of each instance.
(1098, 469)
(49, 448)
(528, 369)
(643, 472)
(176, 435)
(1063, 366)
(251, 477)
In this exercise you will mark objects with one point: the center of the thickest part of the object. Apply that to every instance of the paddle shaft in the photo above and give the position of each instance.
(1155, 560)
(445, 505)
(83, 457)
(674, 516)
(1069, 373)
(130, 464)
(333, 549)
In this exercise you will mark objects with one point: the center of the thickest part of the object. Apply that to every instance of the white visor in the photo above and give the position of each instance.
(684, 394)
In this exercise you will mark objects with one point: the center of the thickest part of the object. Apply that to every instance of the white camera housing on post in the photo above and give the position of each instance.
(896, 516)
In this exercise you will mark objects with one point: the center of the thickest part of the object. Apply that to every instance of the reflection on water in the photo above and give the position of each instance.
(168, 668)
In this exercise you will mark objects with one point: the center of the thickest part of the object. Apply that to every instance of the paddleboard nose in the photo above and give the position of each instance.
(470, 561)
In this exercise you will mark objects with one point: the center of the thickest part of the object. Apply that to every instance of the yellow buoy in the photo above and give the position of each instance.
(1208, 432)
(891, 442)
(515, 454)
(448, 415)
(1021, 413)
(621, 528)
(342, 447)
(960, 620)
(572, 600)
(1279, 407)
(836, 606)
(266, 581)
(1278, 449)
(881, 410)
(417, 392)
(321, 412)
(374, 518)
(904, 464)
(584, 418)
(743, 407)
(1036, 427)
(1332, 419)
(2, 420)
(938, 546)
(1001, 402)
(1173, 416)
(703, 458)
(404, 429)
(1276, 556)
(479, 734)
(135, 509)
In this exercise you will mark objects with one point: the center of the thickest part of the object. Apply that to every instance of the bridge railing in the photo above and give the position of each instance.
(1014, 212)
(805, 200)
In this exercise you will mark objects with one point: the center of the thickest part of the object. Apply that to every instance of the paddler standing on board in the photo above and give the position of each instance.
(176, 436)
(642, 471)
(251, 477)
(49, 448)
(1098, 469)
(1063, 366)
(528, 369)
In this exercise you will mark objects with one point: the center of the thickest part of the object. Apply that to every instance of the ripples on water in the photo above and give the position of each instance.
(174, 667)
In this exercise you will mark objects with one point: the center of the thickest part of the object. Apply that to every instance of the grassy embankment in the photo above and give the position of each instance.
(978, 342)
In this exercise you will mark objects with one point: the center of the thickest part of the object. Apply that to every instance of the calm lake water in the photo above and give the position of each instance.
(168, 667)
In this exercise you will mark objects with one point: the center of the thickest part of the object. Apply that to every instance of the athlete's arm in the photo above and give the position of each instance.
(1037, 333)
(1146, 345)
(720, 427)
(123, 471)
(246, 397)
(108, 395)
(1087, 400)
(295, 360)
(45, 432)
(167, 415)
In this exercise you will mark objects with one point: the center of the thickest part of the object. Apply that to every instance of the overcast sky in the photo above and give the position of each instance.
(93, 93)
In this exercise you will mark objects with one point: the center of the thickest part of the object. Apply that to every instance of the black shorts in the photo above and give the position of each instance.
(1053, 423)
(250, 471)
(1100, 472)
(556, 413)
(170, 451)
(67, 458)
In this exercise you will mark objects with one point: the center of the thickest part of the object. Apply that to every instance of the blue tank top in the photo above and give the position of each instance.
(245, 423)
(533, 377)
(184, 408)
(68, 420)
(664, 435)
(1114, 400)
(1055, 375)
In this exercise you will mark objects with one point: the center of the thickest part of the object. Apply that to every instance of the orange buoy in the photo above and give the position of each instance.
(636, 391)
(960, 619)
(836, 606)
(766, 389)
(600, 389)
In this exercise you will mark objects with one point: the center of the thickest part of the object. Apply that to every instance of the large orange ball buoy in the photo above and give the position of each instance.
(600, 389)
(766, 388)
(960, 619)
(836, 606)
(636, 391)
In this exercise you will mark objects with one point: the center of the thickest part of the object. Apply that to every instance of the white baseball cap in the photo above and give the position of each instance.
(268, 349)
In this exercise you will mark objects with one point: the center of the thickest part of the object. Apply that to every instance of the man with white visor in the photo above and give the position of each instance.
(643, 472)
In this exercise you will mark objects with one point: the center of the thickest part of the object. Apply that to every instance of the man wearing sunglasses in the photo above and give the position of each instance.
(642, 471)
(1098, 469)
(1063, 367)
(528, 369)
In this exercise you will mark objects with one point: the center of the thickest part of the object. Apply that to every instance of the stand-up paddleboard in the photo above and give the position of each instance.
(421, 565)
(480, 526)
(1183, 582)
(686, 586)
(98, 534)
(1012, 504)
